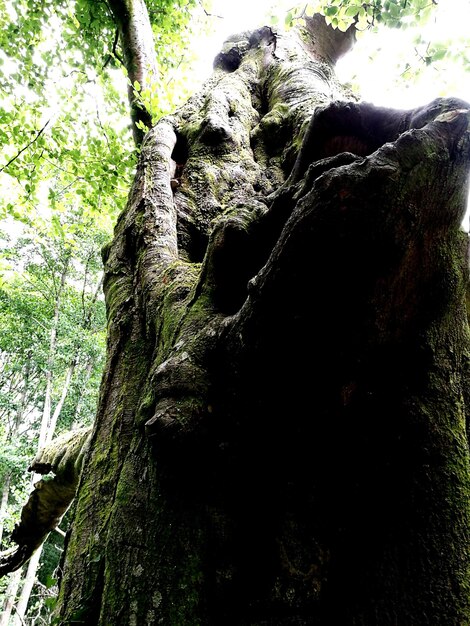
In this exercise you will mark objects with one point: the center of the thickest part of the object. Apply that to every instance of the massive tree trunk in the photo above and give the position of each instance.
(281, 434)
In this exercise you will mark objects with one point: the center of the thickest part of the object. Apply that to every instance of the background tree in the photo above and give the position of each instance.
(53, 341)
(329, 269)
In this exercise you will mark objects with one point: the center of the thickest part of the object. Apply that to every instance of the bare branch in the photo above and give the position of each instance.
(207, 14)
(114, 49)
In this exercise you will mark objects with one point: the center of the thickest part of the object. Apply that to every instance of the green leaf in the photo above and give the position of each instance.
(351, 11)
(331, 10)
(439, 54)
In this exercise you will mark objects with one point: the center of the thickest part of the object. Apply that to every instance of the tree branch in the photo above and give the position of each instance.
(50, 498)
(137, 43)
(38, 134)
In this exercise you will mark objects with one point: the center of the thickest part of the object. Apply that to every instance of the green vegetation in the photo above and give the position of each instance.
(344, 13)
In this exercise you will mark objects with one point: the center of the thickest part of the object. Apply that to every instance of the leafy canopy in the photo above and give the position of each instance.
(64, 127)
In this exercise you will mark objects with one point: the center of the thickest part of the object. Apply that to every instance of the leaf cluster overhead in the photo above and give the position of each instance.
(64, 125)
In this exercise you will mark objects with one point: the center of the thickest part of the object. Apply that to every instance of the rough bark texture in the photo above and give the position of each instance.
(281, 432)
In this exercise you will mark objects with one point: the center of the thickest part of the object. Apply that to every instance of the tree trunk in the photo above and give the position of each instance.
(10, 597)
(4, 503)
(46, 412)
(15, 579)
(28, 584)
(63, 396)
(136, 39)
(48, 424)
(281, 432)
(79, 406)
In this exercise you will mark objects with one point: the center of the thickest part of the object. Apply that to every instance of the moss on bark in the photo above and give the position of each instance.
(281, 431)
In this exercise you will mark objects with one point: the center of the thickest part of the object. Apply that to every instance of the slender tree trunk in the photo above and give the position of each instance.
(24, 393)
(28, 584)
(46, 412)
(4, 503)
(60, 403)
(46, 433)
(281, 432)
(79, 405)
(10, 597)
(136, 39)
(15, 579)
(27, 581)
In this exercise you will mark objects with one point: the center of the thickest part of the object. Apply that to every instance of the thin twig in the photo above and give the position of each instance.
(58, 167)
(64, 189)
(114, 51)
(101, 125)
(38, 134)
(220, 17)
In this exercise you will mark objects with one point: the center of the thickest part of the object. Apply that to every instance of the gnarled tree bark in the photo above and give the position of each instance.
(281, 432)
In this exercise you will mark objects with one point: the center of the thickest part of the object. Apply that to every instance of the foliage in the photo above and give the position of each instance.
(344, 13)
(392, 13)
(32, 269)
(425, 47)
(28, 297)
(63, 103)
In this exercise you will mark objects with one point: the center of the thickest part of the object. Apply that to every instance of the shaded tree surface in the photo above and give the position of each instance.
(281, 434)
